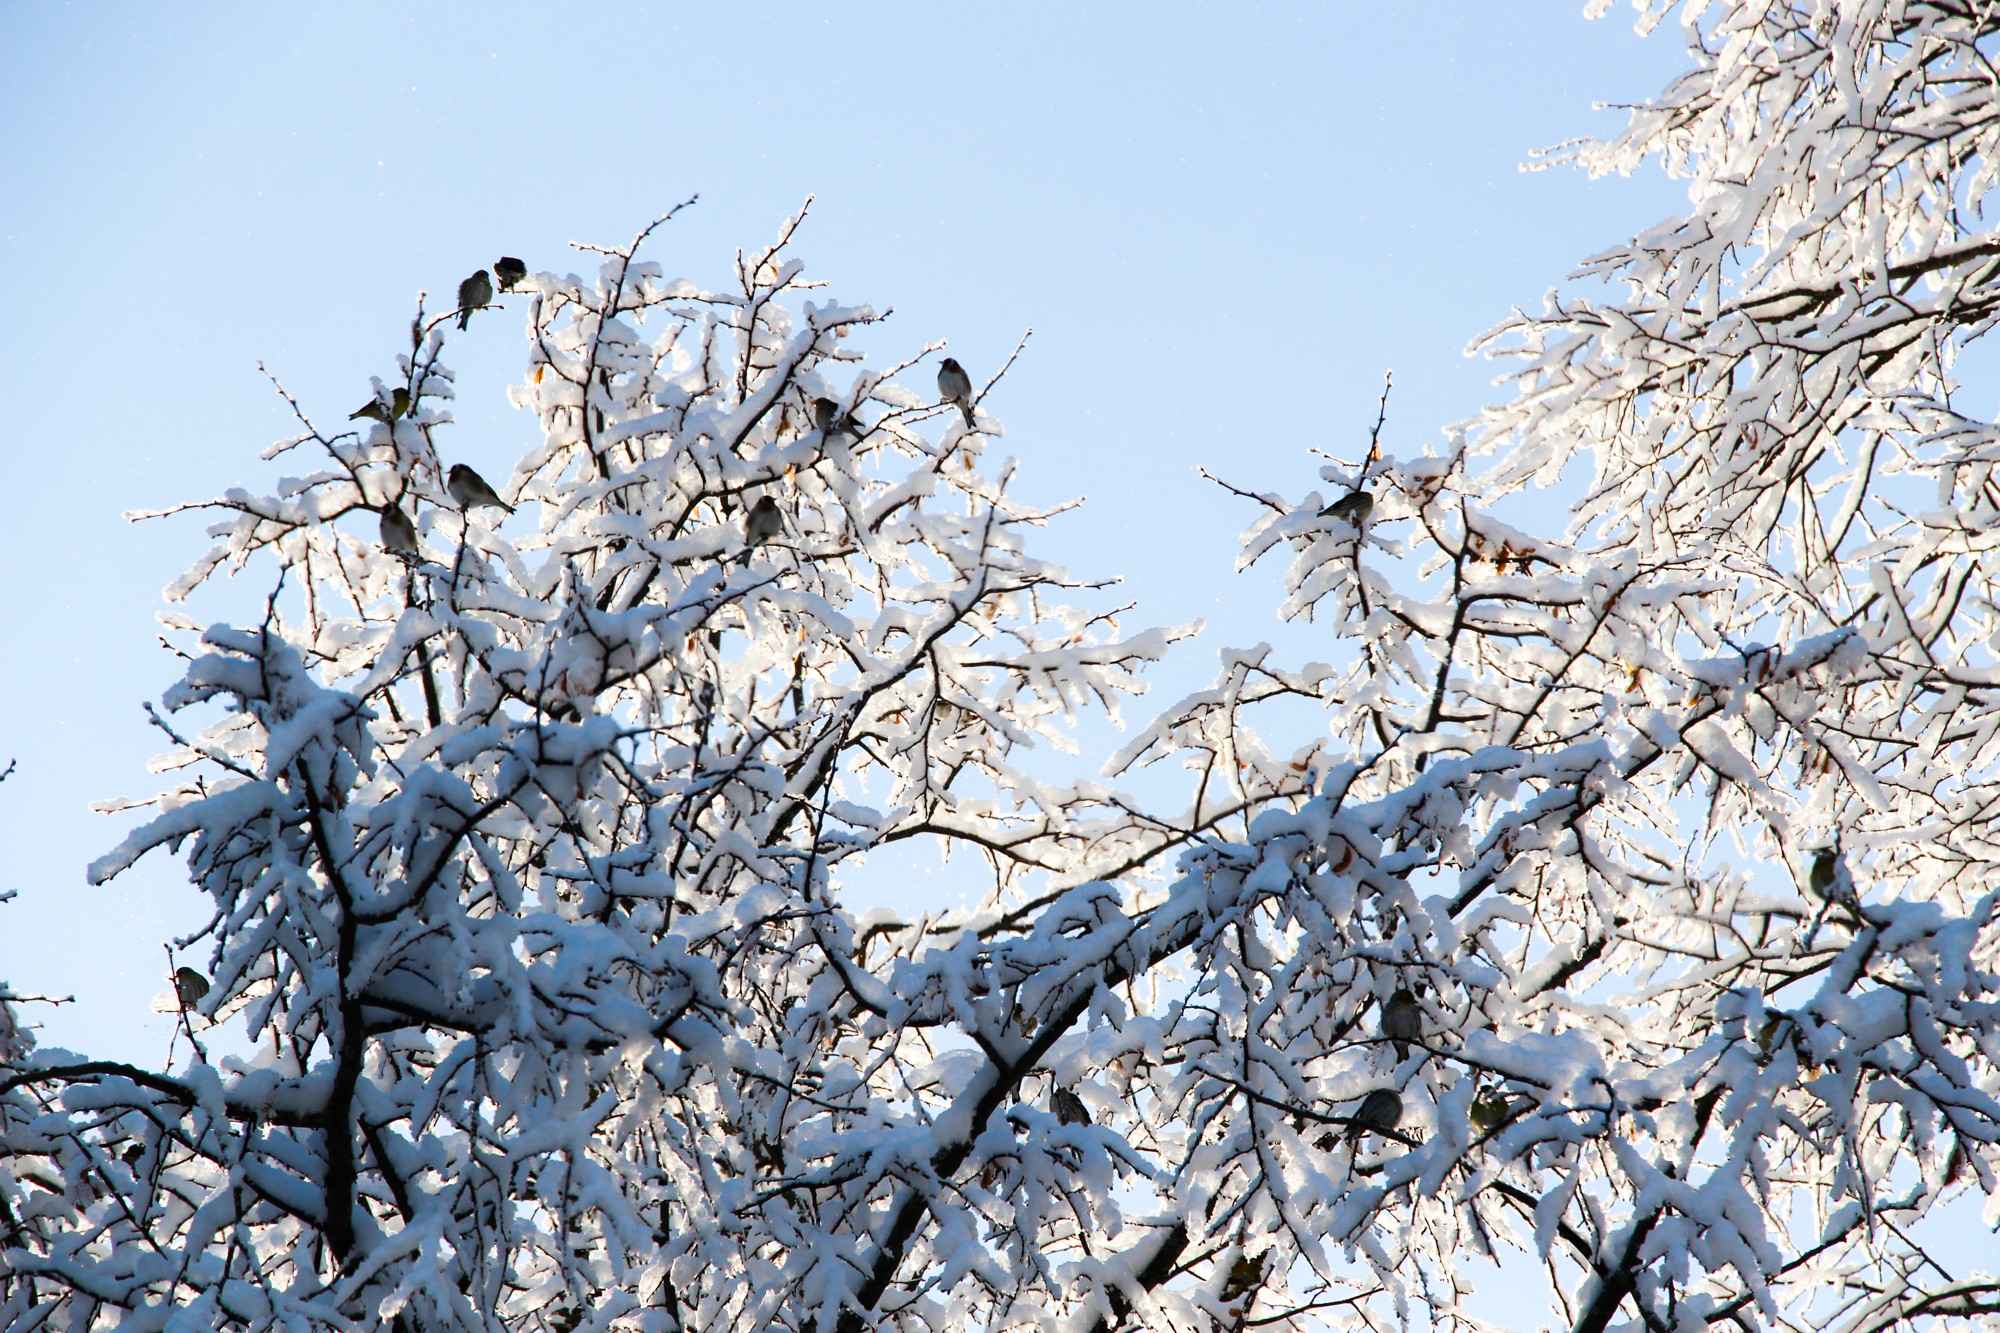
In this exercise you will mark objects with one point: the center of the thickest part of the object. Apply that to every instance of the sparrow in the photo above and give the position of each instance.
(471, 491)
(1245, 1275)
(399, 535)
(474, 292)
(1403, 1021)
(1381, 1111)
(763, 522)
(376, 410)
(1767, 1032)
(1352, 508)
(827, 417)
(509, 271)
(1069, 1107)
(189, 985)
(955, 386)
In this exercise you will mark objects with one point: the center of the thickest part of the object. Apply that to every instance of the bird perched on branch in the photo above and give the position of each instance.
(474, 292)
(955, 386)
(1403, 1021)
(1069, 1107)
(376, 410)
(1352, 508)
(399, 535)
(509, 271)
(761, 524)
(190, 986)
(1380, 1111)
(470, 490)
(1829, 882)
(1490, 1111)
(829, 420)
(1245, 1276)
(1827, 879)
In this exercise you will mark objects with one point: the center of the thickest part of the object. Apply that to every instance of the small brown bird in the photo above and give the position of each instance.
(399, 535)
(1352, 508)
(474, 292)
(1380, 1111)
(761, 524)
(1403, 1021)
(376, 410)
(955, 386)
(829, 420)
(1069, 1107)
(190, 986)
(1767, 1033)
(509, 271)
(1245, 1276)
(471, 491)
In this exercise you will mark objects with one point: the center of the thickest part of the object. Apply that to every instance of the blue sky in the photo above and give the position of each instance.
(1223, 222)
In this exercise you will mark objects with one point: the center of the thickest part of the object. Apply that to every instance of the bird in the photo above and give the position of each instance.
(1069, 1107)
(509, 271)
(1352, 508)
(827, 417)
(133, 1152)
(471, 491)
(955, 386)
(399, 535)
(1380, 1111)
(474, 292)
(376, 410)
(1767, 1032)
(763, 522)
(1245, 1275)
(1826, 880)
(1489, 1111)
(189, 985)
(1403, 1021)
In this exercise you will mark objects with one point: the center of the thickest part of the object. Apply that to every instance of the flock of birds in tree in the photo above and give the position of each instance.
(1402, 1017)
(762, 523)
(1401, 1020)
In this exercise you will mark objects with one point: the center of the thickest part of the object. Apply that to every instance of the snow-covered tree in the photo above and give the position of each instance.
(1632, 911)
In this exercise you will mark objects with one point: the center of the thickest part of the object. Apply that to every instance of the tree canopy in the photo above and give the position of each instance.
(1630, 909)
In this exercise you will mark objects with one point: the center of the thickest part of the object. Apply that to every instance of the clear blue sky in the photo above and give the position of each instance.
(1223, 222)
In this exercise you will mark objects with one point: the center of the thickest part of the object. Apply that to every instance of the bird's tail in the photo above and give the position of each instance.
(965, 406)
(464, 317)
